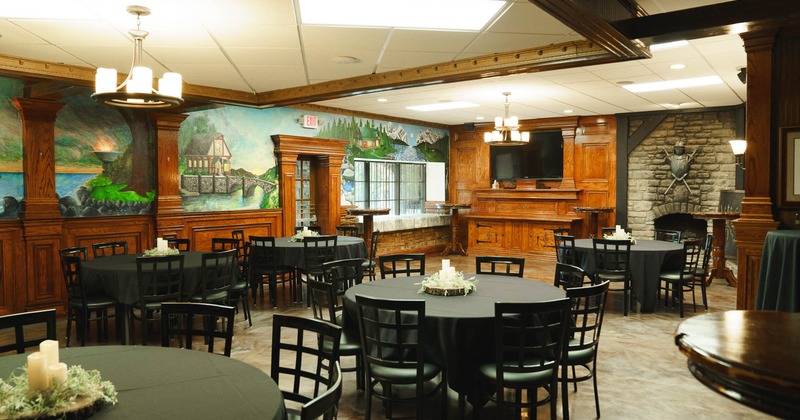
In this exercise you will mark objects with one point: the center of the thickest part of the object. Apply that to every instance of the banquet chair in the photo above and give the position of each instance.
(160, 280)
(702, 276)
(667, 235)
(393, 342)
(181, 244)
(216, 277)
(407, 264)
(82, 308)
(238, 235)
(568, 276)
(583, 337)
(103, 249)
(264, 267)
(523, 359)
(370, 263)
(180, 319)
(326, 405)
(317, 250)
(327, 306)
(347, 231)
(75, 251)
(611, 230)
(681, 280)
(313, 228)
(240, 287)
(565, 249)
(224, 244)
(300, 360)
(612, 262)
(20, 321)
(503, 266)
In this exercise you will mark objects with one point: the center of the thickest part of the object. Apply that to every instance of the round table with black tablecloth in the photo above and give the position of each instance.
(779, 275)
(459, 329)
(648, 258)
(170, 383)
(292, 254)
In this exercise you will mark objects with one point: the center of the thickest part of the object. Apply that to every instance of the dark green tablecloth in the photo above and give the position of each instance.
(170, 383)
(459, 329)
(648, 258)
(779, 276)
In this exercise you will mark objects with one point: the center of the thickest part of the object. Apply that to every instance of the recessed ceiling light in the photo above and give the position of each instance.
(440, 106)
(669, 45)
(419, 14)
(674, 84)
(568, 111)
(345, 59)
(383, 100)
(678, 66)
(479, 118)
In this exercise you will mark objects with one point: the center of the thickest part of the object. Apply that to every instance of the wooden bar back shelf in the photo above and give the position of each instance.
(593, 212)
(454, 247)
(718, 220)
(367, 214)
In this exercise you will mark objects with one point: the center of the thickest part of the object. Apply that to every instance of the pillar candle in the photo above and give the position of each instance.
(57, 373)
(161, 244)
(38, 379)
(445, 264)
(50, 349)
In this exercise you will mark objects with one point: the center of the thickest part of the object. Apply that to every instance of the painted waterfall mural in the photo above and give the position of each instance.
(227, 158)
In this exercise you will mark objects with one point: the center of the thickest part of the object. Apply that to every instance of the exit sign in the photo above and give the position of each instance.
(309, 121)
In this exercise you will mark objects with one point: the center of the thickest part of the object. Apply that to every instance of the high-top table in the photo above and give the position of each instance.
(647, 259)
(367, 215)
(593, 212)
(459, 329)
(718, 221)
(454, 247)
(171, 383)
(749, 356)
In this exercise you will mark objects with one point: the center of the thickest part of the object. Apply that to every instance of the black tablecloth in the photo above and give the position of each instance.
(648, 258)
(291, 253)
(170, 383)
(779, 275)
(115, 276)
(459, 329)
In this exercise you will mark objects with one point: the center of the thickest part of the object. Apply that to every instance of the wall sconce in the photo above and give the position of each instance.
(739, 146)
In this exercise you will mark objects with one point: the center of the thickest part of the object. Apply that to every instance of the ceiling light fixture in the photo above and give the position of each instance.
(506, 130)
(139, 92)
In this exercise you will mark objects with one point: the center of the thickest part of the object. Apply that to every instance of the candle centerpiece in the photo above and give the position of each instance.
(620, 235)
(162, 249)
(447, 282)
(306, 232)
(46, 387)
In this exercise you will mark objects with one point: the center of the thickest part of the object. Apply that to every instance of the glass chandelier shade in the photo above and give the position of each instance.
(506, 130)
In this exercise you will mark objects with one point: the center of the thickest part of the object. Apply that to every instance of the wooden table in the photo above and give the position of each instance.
(749, 356)
(367, 214)
(454, 247)
(718, 220)
(593, 212)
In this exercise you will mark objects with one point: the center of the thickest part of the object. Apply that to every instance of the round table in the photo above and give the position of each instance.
(779, 274)
(170, 383)
(748, 356)
(292, 253)
(648, 258)
(460, 329)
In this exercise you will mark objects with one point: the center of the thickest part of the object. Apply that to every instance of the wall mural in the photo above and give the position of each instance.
(227, 159)
(12, 184)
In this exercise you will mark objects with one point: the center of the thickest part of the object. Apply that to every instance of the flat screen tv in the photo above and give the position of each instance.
(542, 158)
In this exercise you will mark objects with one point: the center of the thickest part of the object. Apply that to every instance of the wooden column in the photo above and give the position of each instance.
(756, 215)
(169, 208)
(329, 189)
(287, 166)
(41, 285)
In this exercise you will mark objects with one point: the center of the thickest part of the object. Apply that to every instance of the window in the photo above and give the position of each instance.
(398, 186)
(304, 194)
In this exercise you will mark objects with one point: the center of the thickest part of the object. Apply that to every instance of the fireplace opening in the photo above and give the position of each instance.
(689, 227)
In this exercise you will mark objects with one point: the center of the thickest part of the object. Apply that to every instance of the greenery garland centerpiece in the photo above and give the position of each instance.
(306, 232)
(448, 282)
(79, 396)
(620, 235)
(156, 252)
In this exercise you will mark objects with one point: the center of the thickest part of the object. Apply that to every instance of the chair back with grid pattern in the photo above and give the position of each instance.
(408, 264)
(667, 235)
(347, 231)
(568, 276)
(19, 321)
(102, 249)
(504, 266)
(217, 276)
(190, 320)
(318, 250)
(565, 249)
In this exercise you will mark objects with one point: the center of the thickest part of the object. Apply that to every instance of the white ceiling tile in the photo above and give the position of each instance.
(265, 56)
(420, 41)
(257, 36)
(490, 43)
(325, 37)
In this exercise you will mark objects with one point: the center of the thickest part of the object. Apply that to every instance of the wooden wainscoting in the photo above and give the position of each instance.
(201, 227)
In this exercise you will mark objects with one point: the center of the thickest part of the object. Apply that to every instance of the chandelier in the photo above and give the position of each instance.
(138, 86)
(506, 130)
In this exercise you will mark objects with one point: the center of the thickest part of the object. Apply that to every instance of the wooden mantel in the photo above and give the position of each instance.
(327, 155)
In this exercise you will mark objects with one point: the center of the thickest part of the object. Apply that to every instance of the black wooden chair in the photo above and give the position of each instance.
(407, 264)
(612, 262)
(302, 370)
(19, 321)
(568, 276)
(160, 280)
(102, 249)
(187, 320)
(347, 231)
(667, 235)
(238, 235)
(370, 263)
(317, 250)
(565, 249)
(82, 308)
(181, 244)
(703, 275)
(586, 320)
(682, 280)
(216, 277)
(263, 267)
(240, 288)
(504, 266)
(393, 343)
(530, 339)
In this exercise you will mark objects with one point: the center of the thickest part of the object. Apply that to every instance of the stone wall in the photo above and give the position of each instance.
(711, 169)
(427, 240)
